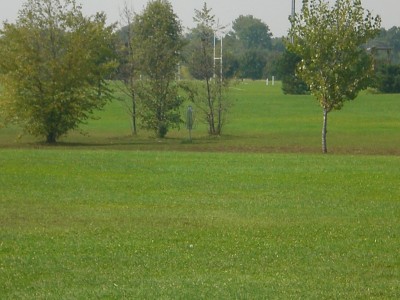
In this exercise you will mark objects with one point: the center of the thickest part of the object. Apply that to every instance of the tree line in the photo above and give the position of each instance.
(57, 64)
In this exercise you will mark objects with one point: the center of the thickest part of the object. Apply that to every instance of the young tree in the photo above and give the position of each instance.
(157, 44)
(328, 40)
(127, 74)
(53, 67)
(208, 94)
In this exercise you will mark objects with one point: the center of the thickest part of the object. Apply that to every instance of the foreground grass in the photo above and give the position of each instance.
(156, 225)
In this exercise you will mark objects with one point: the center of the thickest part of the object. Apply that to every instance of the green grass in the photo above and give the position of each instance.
(261, 120)
(80, 224)
(258, 213)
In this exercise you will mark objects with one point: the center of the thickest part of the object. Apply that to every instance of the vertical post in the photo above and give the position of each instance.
(221, 70)
(324, 131)
(214, 53)
(189, 121)
(292, 15)
(293, 8)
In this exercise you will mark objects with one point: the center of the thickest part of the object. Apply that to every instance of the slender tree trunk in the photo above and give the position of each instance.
(211, 119)
(324, 131)
(134, 130)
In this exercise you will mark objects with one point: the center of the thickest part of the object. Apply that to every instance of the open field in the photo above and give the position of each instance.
(81, 224)
(262, 120)
(256, 214)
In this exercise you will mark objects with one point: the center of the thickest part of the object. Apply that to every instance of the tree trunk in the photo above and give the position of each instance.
(211, 116)
(324, 131)
(134, 130)
(51, 138)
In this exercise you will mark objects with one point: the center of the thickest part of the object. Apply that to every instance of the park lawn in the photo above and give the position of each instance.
(85, 224)
(262, 119)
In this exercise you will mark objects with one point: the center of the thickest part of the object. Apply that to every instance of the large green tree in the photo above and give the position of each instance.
(328, 40)
(53, 66)
(157, 45)
(253, 43)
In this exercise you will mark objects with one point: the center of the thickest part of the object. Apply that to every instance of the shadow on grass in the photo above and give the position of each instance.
(225, 143)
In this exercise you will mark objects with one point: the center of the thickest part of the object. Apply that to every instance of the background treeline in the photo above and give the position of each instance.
(251, 52)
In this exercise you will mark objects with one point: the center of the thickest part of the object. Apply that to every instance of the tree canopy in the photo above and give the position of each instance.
(53, 67)
(157, 46)
(208, 94)
(328, 40)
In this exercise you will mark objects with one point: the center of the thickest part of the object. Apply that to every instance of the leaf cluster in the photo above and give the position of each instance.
(328, 40)
(157, 44)
(54, 67)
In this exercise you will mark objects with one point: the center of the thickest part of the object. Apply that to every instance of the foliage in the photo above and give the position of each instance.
(388, 79)
(157, 43)
(329, 42)
(252, 33)
(208, 95)
(252, 41)
(387, 38)
(201, 46)
(53, 68)
(127, 73)
(252, 64)
(291, 83)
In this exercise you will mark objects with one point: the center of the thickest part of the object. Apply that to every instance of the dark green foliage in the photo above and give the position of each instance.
(389, 39)
(157, 43)
(388, 79)
(291, 83)
(252, 63)
(251, 40)
(252, 33)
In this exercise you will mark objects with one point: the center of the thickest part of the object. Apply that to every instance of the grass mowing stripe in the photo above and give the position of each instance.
(126, 224)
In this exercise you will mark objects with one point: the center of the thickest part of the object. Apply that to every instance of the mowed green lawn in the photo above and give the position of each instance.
(262, 119)
(255, 214)
(85, 224)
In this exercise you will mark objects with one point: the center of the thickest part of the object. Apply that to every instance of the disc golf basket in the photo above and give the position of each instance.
(190, 120)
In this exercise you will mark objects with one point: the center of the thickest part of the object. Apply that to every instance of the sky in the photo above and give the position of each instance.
(274, 13)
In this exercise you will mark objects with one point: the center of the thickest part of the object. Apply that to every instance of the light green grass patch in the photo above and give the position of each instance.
(128, 224)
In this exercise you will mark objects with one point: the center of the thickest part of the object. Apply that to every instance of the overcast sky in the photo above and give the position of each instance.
(272, 12)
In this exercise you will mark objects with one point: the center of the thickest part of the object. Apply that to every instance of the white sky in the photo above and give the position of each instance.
(272, 12)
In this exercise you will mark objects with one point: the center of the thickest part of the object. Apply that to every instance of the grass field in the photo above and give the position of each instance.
(262, 120)
(255, 214)
(119, 224)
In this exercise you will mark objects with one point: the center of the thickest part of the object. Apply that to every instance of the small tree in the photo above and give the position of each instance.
(328, 40)
(53, 66)
(157, 44)
(209, 93)
(127, 74)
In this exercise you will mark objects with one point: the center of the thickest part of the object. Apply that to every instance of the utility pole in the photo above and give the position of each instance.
(293, 8)
(293, 14)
